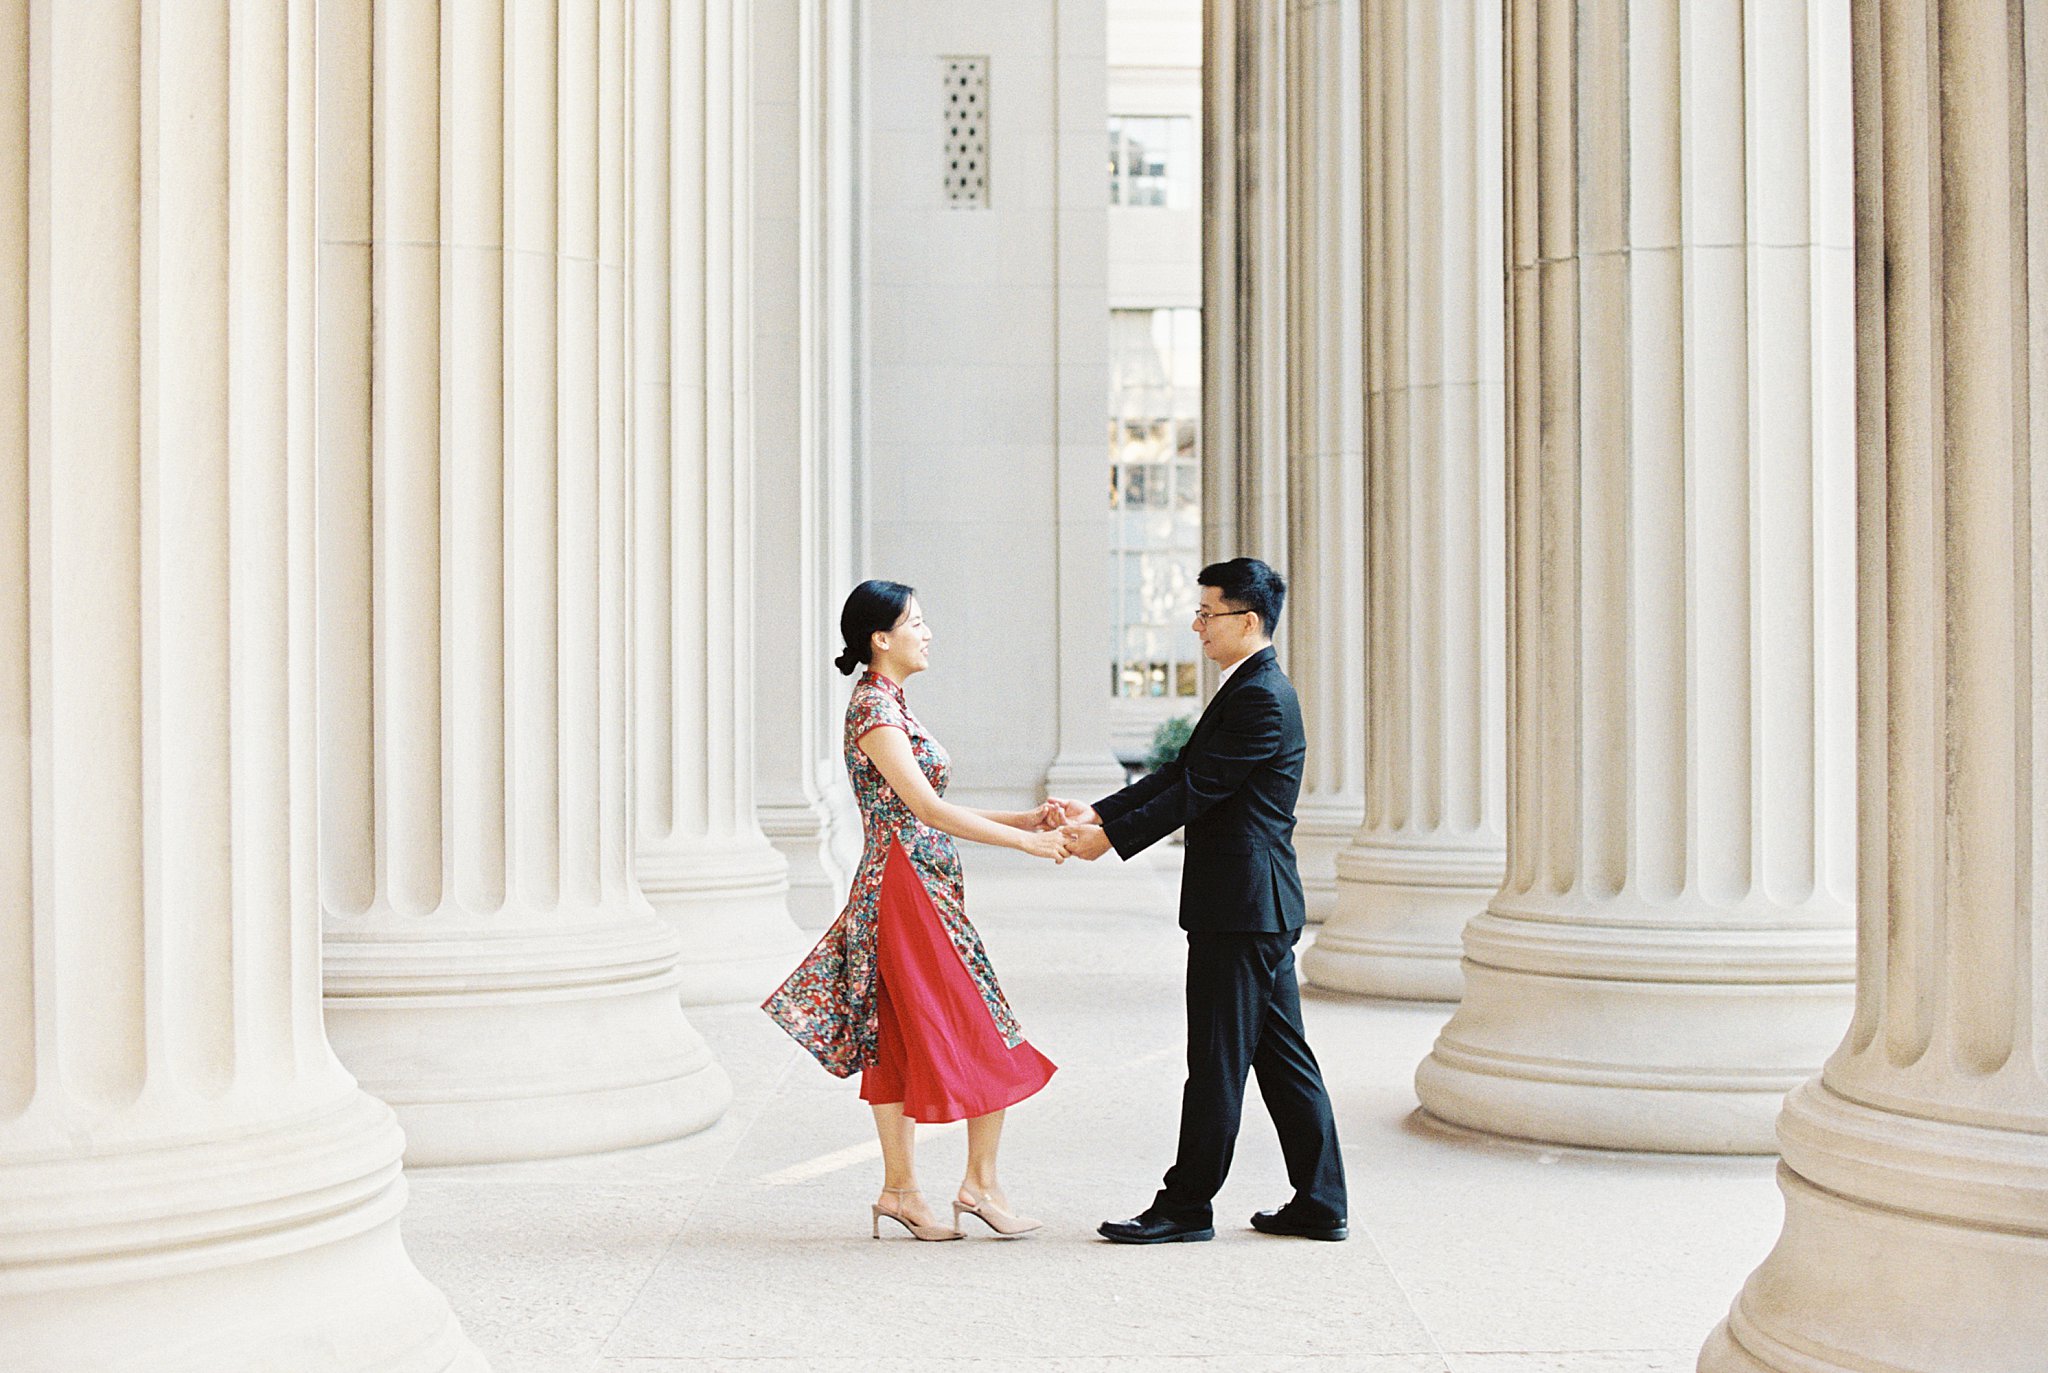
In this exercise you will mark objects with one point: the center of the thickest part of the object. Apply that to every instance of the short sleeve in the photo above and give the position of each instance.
(872, 709)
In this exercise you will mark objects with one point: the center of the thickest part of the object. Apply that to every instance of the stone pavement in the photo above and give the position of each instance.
(747, 1246)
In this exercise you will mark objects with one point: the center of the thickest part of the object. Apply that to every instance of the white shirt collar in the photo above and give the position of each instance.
(1234, 667)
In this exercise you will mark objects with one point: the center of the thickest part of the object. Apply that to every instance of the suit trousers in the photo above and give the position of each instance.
(1244, 1016)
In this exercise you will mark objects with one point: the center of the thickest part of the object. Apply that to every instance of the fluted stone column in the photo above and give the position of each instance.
(1324, 560)
(698, 846)
(833, 220)
(492, 970)
(188, 1178)
(1915, 1166)
(1433, 844)
(1671, 949)
(802, 158)
(1244, 286)
(1220, 295)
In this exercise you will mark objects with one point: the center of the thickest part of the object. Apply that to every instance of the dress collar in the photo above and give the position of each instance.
(893, 688)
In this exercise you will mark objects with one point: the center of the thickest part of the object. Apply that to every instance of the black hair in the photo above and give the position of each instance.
(1248, 584)
(871, 608)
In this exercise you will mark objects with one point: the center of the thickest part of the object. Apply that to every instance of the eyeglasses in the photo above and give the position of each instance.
(1203, 617)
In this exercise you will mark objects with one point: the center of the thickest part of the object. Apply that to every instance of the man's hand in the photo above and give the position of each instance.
(1073, 812)
(1085, 841)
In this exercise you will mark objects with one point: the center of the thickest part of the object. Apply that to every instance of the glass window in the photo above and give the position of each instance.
(1152, 161)
(1155, 499)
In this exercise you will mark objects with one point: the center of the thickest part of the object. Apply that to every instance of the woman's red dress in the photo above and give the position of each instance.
(938, 1052)
(900, 989)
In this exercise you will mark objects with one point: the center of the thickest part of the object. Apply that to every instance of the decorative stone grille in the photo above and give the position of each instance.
(966, 115)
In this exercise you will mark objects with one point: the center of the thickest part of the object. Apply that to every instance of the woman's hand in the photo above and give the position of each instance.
(1051, 815)
(1069, 812)
(1045, 844)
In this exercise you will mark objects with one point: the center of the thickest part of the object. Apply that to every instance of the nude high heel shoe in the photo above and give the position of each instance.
(1006, 1225)
(923, 1232)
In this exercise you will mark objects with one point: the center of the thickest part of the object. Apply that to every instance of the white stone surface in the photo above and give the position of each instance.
(189, 1181)
(802, 442)
(986, 358)
(1324, 402)
(698, 849)
(492, 971)
(1916, 1164)
(1672, 948)
(748, 1245)
(1432, 846)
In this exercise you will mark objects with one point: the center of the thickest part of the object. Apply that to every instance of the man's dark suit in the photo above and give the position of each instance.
(1234, 787)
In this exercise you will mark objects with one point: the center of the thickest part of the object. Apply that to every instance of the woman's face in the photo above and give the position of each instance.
(906, 646)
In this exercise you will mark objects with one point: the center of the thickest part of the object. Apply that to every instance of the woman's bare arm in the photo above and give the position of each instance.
(889, 749)
(1040, 819)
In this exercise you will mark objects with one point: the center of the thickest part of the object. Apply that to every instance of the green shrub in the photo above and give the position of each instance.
(1168, 740)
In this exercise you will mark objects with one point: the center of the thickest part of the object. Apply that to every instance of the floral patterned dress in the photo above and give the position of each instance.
(910, 882)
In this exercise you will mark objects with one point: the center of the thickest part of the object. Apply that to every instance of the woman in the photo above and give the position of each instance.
(899, 989)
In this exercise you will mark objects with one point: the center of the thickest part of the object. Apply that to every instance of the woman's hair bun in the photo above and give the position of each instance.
(874, 607)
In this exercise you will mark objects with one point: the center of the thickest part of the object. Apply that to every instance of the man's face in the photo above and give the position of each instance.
(1225, 636)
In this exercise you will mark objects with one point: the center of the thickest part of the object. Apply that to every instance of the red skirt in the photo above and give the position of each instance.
(939, 1052)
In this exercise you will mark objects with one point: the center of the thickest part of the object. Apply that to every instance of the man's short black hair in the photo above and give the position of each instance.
(1248, 584)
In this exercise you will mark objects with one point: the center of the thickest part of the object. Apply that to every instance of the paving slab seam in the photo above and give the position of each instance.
(717, 1174)
(1545, 1152)
(1600, 1351)
(1232, 1360)
(1435, 1345)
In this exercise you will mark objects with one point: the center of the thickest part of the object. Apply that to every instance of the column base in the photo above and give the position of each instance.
(817, 887)
(844, 838)
(274, 1251)
(730, 906)
(502, 1046)
(1910, 1246)
(1398, 927)
(1723, 1355)
(1084, 778)
(1677, 1040)
(1321, 832)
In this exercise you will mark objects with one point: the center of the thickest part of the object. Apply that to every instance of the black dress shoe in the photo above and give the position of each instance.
(1281, 1223)
(1148, 1227)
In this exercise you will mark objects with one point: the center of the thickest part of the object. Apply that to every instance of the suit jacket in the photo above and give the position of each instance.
(1233, 787)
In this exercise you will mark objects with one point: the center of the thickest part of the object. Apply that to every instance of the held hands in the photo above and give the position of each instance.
(1046, 844)
(1056, 813)
(1086, 841)
(1080, 828)
(1066, 829)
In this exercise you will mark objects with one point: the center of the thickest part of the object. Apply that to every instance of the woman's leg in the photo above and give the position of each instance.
(984, 1138)
(898, 1134)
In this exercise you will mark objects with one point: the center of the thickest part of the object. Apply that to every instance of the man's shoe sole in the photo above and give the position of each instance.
(1181, 1237)
(1341, 1232)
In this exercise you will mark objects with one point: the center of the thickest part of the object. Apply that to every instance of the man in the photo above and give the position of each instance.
(1233, 787)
